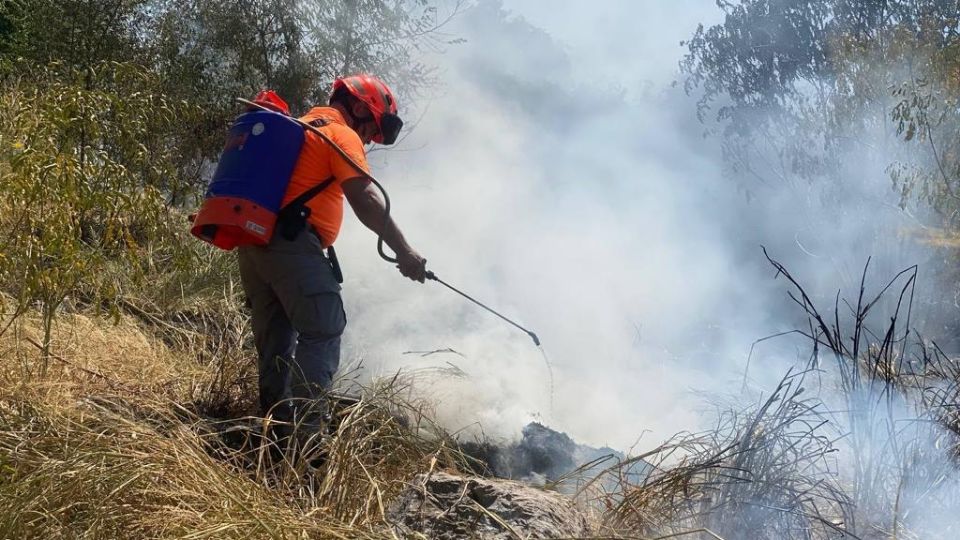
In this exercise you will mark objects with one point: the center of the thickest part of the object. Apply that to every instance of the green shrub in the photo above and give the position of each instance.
(86, 163)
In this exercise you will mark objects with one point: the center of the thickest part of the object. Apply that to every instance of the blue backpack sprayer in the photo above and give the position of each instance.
(242, 205)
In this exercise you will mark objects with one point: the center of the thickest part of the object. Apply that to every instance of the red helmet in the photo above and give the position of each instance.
(379, 99)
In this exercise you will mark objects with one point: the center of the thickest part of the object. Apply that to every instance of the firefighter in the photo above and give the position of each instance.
(292, 285)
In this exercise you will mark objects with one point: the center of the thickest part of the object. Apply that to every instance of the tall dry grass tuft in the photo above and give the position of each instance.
(893, 401)
(764, 472)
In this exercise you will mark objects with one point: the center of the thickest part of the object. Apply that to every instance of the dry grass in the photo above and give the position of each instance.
(118, 437)
(142, 428)
(102, 469)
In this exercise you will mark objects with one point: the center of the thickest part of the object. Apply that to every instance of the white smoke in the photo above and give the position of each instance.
(558, 175)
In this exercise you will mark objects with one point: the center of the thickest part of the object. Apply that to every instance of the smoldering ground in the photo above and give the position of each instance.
(576, 192)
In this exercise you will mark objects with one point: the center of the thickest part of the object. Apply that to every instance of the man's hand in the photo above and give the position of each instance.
(412, 265)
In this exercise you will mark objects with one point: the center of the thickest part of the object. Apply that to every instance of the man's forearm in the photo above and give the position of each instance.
(372, 213)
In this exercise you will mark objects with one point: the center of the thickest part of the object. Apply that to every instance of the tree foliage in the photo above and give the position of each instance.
(208, 52)
(212, 51)
(76, 33)
(112, 114)
(82, 182)
(799, 85)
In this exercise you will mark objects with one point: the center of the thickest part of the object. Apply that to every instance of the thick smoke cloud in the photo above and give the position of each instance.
(558, 175)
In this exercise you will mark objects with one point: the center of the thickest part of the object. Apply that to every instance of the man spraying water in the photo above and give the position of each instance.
(279, 199)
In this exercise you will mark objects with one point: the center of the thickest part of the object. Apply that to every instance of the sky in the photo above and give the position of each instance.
(559, 175)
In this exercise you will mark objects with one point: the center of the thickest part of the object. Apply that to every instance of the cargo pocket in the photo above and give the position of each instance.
(318, 310)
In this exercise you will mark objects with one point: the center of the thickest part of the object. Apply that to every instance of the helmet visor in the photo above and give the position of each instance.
(390, 125)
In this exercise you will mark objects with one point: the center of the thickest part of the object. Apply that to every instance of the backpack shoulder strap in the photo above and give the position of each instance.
(305, 197)
(309, 194)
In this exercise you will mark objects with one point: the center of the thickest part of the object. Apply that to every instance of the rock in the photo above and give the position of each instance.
(446, 507)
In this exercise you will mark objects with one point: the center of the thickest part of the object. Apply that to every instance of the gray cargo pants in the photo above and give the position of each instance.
(298, 318)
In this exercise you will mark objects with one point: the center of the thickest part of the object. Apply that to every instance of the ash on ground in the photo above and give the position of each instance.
(545, 456)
